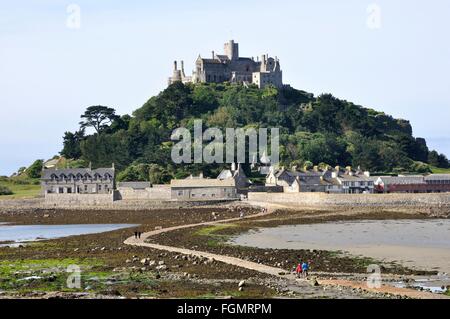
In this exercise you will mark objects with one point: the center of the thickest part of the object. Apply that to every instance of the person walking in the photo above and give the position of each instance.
(298, 270)
(135, 235)
(305, 269)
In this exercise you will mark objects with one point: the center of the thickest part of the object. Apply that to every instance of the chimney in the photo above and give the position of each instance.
(316, 168)
(175, 67)
(334, 174)
(367, 174)
(213, 55)
(338, 168)
(233, 167)
(90, 166)
(201, 175)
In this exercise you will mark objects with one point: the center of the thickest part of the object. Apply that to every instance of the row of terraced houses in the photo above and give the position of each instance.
(232, 184)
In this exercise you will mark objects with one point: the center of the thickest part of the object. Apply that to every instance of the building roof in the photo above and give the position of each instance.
(437, 177)
(355, 178)
(402, 180)
(211, 61)
(135, 185)
(202, 182)
(48, 173)
(223, 58)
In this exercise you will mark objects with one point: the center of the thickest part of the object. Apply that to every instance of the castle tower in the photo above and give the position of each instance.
(183, 75)
(232, 50)
(176, 77)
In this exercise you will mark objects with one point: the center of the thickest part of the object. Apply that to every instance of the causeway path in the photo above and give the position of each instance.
(277, 272)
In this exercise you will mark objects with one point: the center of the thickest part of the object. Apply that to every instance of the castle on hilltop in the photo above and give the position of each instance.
(230, 67)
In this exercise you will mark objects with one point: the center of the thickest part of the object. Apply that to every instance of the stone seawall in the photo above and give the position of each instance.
(97, 204)
(17, 204)
(71, 200)
(157, 192)
(358, 200)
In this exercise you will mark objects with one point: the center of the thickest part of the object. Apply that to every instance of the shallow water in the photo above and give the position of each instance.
(28, 233)
(422, 244)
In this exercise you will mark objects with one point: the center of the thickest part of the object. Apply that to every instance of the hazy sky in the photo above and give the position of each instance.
(397, 62)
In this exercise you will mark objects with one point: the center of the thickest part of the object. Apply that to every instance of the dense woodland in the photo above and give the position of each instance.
(320, 130)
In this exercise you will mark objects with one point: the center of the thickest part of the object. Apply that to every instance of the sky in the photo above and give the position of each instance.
(59, 57)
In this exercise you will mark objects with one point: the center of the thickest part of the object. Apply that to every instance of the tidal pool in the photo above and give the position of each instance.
(29, 233)
(423, 244)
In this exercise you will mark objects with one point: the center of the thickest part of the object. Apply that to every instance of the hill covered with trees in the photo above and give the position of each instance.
(319, 130)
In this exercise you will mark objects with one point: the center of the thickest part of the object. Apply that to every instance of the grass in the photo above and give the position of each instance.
(50, 274)
(214, 239)
(20, 191)
(211, 230)
(437, 170)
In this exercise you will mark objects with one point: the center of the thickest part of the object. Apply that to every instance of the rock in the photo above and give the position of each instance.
(152, 263)
(103, 248)
(313, 282)
(76, 249)
(241, 288)
(161, 267)
(144, 261)
(128, 261)
(241, 284)
(161, 263)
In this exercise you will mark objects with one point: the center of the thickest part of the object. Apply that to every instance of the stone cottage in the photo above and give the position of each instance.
(78, 181)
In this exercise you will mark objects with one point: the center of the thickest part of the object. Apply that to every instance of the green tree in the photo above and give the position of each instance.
(71, 144)
(438, 160)
(98, 117)
(158, 175)
(35, 170)
(5, 190)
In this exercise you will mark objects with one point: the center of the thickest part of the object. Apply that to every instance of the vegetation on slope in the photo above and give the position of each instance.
(320, 129)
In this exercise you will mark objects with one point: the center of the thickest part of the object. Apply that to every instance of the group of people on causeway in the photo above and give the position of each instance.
(302, 269)
(137, 234)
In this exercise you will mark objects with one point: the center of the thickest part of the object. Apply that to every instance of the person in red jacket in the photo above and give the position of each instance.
(299, 270)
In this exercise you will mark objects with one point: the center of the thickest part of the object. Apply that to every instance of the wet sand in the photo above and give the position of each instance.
(419, 244)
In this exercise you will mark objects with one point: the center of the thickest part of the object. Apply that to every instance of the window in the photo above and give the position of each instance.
(85, 188)
(99, 187)
(180, 193)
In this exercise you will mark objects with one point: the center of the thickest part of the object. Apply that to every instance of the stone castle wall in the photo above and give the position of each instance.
(363, 200)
